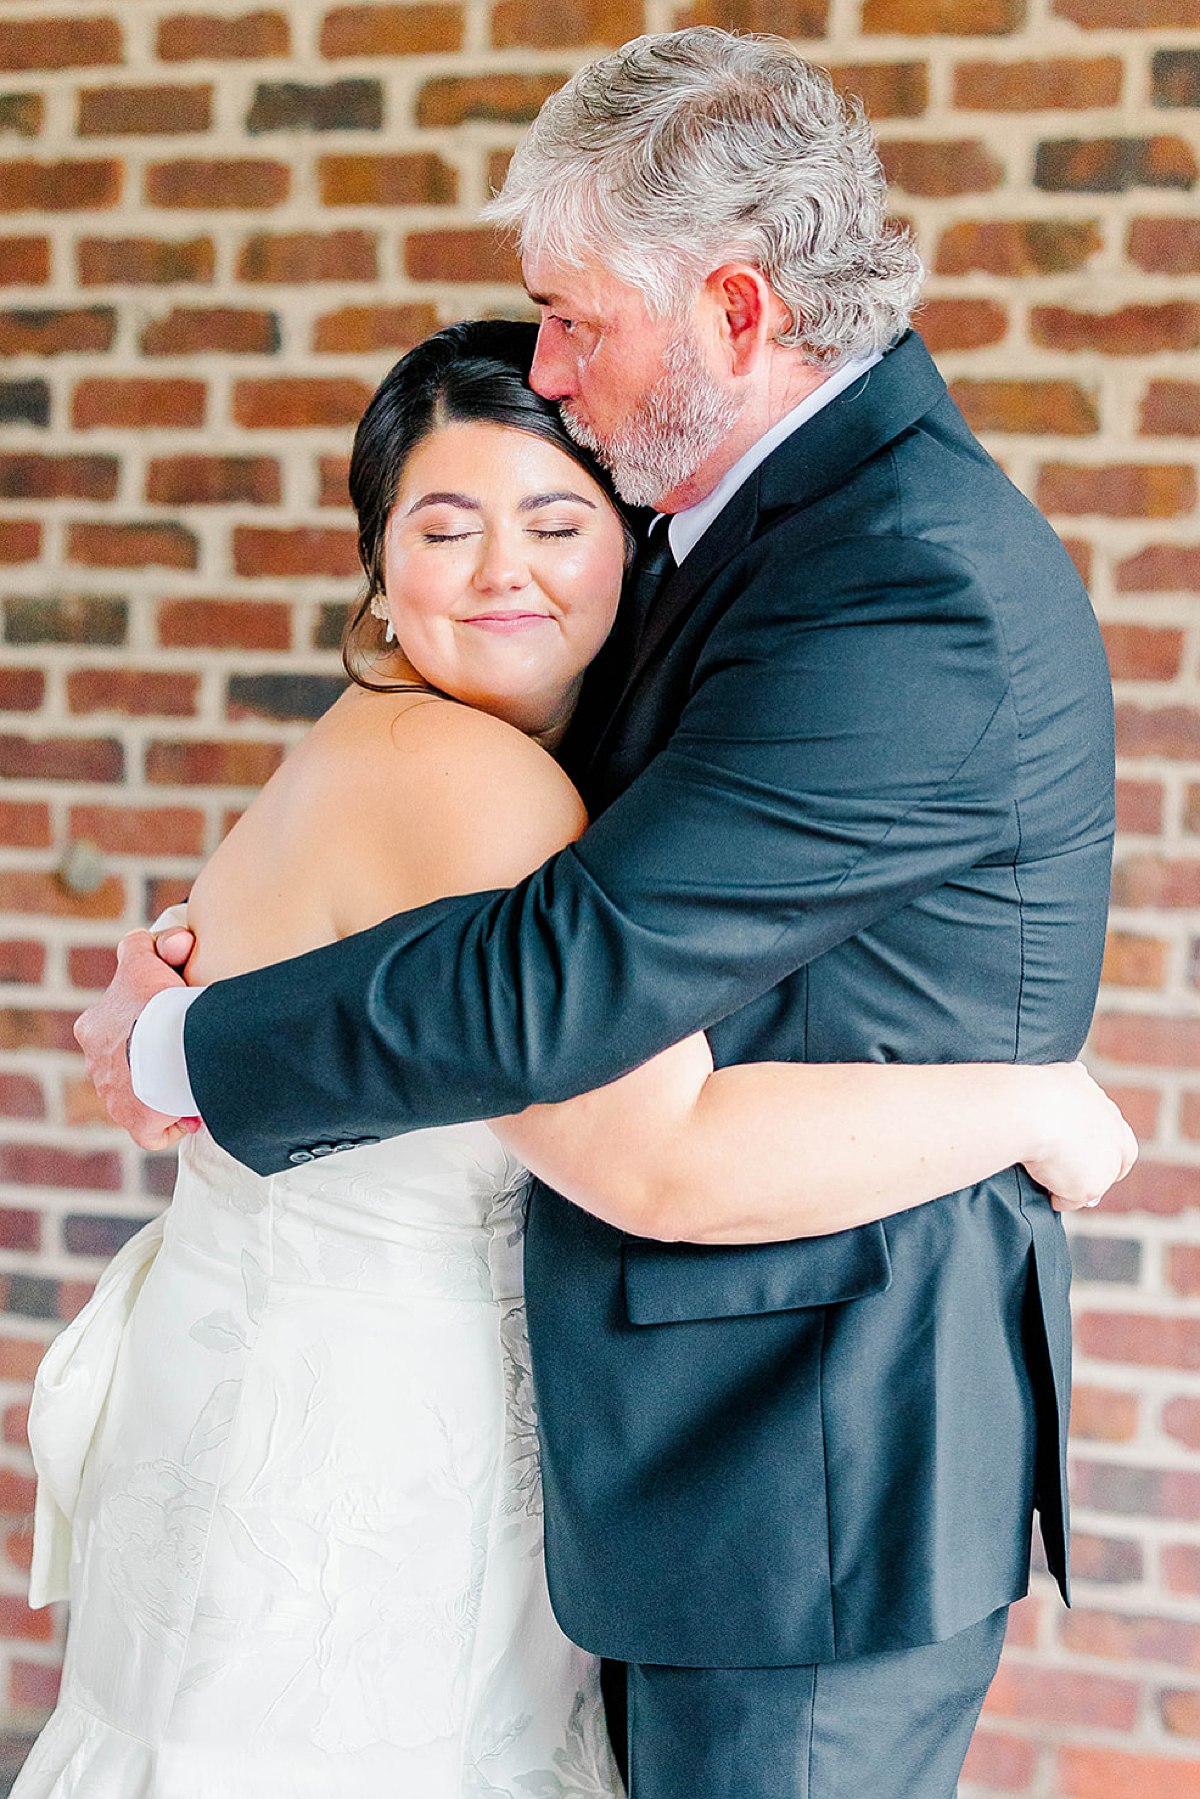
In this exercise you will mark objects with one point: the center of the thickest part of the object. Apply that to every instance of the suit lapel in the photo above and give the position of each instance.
(815, 460)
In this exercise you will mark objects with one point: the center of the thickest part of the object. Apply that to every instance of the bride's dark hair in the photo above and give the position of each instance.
(478, 372)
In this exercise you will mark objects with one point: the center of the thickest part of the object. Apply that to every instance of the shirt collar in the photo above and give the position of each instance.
(685, 529)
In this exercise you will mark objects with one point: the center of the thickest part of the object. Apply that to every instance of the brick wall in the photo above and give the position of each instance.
(217, 227)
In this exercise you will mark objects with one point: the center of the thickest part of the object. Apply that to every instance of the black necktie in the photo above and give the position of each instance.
(651, 567)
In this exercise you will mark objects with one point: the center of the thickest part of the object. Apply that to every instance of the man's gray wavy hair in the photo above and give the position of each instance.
(687, 149)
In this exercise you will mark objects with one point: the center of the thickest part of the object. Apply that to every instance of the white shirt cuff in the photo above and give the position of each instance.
(157, 1064)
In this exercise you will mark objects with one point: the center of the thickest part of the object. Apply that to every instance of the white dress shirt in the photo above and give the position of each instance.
(157, 1064)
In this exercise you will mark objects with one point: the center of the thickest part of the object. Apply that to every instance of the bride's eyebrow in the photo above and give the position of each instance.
(446, 499)
(532, 501)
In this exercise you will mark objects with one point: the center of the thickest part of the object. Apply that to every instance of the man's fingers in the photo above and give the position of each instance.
(140, 941)
(174, 947)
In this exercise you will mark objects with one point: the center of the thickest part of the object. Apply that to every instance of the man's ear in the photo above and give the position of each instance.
(746, 310)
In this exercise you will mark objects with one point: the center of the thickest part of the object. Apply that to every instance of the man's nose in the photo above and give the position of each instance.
(552, 372)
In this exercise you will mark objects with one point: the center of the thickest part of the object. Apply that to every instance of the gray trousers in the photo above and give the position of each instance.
(893, 1726)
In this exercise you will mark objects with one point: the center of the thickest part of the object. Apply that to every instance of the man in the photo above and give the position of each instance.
(849, 763)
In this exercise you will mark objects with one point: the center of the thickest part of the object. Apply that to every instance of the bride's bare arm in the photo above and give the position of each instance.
(768, 1151)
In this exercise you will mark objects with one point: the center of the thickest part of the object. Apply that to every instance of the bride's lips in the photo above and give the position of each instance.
(505, 622)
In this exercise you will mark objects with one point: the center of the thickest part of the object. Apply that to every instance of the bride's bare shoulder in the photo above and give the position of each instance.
(438, 798)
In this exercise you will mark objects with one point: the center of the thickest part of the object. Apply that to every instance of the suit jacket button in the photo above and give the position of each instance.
(351, 1143)
(322, 1149)
(300, 1155)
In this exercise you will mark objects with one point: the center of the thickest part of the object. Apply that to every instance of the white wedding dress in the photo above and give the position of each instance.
(288, 1469)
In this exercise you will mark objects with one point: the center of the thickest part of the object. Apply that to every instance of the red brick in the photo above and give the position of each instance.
(211, 764)
(391, 31)
(138, 402)
(25, 824)
(1080, 552)
(1131, 960)
(1160, 1188)
(527, 24)
(213, 481)
(1181, 1567)
(1166, 246)
(19, 1359)
(138, 693)
(60, 758)
(18, 1548)
(21, 689)
(47, 1165)
(999, 1762)
(888, 90)
(1171, 409)
(24, 261)
(33, 1686)
(22, 114)
(1110, 1773)
(1189, 1121)
(1191, 808)
(22, 962)
(1048, 84)
(1123, 15)
(1102, 1414)
(333, 474)
(420, 178)
(149, 545)
(20, 541)
(20, 1229)
(225, 624)
(1181, 1417)
(66, 618)
(1159, 881)
(1040, 408)
(1062, 1697)
(1114, 165)
(161, 892)
(1114, 1561)
(1144, 1340)
(299, 550)
(197, 37)
(43, 43)
(505, 99)
(940, 169)
(68, 186)
(1143, 652)
(226, 330)
(1125, 1636)
(16, 1424)
(925, 18)
(29, 890)
(229, 183)
(359, 330)
(305, 256)
(51, 331)
(1172, 731)
(468, 253)
(140, 830)
(1130, 331)
(298, 401)
(143, 111)
(1139, 806)
(961, 324)
(1180, 1711)
(27, 475)
(144, 261)
(1162, 568)
(91, 967)
(18, 1622)
(1121, 490)
(81, 1103)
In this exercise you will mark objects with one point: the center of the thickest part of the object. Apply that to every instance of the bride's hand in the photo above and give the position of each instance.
(1083, 1144)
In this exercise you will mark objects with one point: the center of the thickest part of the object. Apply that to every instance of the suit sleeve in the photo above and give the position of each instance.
(838, 755)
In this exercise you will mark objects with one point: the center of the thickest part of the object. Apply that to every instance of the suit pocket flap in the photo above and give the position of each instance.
(673, 1283)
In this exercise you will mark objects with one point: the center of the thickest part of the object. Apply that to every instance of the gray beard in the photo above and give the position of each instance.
(672, 431)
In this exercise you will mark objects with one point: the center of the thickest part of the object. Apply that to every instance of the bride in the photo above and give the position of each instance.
(287, 1454)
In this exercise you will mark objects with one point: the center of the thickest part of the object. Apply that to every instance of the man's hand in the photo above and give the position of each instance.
(102, 1033)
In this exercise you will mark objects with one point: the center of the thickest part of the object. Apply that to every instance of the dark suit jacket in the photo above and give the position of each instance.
(854, 800)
